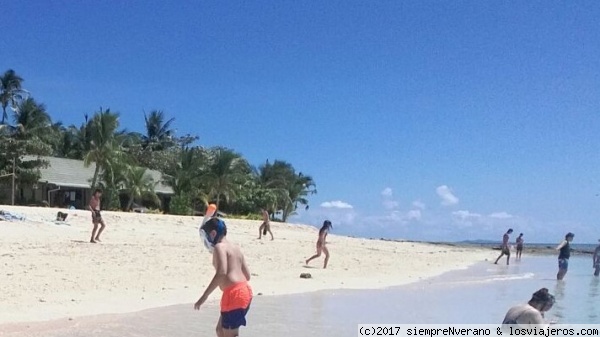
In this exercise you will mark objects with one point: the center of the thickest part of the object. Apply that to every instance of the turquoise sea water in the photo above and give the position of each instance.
(481, 294)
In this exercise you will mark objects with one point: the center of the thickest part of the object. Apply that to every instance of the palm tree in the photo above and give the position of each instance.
(298, 190)
(31, 119)
(184, 178)
(137, 184)
(225, 173)
(291, 188)
(159, 135)
(81, 139)
(104, 145)
(10, 91)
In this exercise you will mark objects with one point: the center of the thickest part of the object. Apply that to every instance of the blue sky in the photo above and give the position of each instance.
(417, 119)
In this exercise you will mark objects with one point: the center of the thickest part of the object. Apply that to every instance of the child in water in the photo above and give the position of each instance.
(231, 275)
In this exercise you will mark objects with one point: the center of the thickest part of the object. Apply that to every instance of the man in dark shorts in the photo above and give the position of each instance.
(505, 250)
(94, 207)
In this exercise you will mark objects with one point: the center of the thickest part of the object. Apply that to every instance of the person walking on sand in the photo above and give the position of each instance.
(94, 207)
(564, 254)
(596, 260)
(322, 243)
(519, 246)
(505, 249)
(266, 225)
(231, 275)
(531, 313)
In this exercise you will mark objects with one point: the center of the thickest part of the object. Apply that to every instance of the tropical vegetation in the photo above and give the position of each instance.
(121, 161)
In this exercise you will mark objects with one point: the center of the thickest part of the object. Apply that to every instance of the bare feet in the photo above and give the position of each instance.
(92, 241)
(98, 240)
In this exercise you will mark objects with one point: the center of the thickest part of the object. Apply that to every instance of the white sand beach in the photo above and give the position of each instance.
(51, 271)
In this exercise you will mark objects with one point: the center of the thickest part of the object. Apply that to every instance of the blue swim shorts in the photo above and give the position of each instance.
(563, 264)
(235, 304)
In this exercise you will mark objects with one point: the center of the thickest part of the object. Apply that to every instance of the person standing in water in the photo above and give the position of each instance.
(519, 246)
(322, 243)
(564, 254)
(531, 313)
(505, 249)
(94, 207)
(266, 225)
(596, 260)
(231, 275)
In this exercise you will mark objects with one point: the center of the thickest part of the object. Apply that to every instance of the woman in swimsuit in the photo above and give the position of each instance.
(322, 243)
(532, 312)
(564, 249)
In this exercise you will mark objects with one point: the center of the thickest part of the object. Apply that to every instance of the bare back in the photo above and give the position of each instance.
(524, 315)
(505, 239)
(228, 258)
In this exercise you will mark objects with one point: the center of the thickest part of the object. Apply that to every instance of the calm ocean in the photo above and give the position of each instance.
(481, 294)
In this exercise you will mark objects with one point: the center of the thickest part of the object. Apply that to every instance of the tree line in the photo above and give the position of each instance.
(121, 160)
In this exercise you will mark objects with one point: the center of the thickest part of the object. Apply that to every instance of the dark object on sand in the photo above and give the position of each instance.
(60, 216)
(305, 275)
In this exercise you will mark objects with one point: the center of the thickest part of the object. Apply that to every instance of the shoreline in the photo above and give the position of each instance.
(431, 300)
(149, 261)
(62, 324)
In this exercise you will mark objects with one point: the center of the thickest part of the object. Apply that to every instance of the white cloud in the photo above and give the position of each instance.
(448, 198)
(390, 204)
(464, 215)
(500, 215)
(336, 204)
(387, 192)
(414, 214)
(418, 204)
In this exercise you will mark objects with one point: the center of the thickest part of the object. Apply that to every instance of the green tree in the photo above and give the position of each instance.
(298, 191)
(24, 143)
(159, 135)
(185, 179)
(32, 122)
(290, 188)
(224, 174)
(104, 143)
(11, 92)
(138, 183)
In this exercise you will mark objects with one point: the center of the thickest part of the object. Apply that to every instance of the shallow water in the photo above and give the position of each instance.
(481, 294)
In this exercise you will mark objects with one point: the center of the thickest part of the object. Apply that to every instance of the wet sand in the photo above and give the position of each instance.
(480, 294)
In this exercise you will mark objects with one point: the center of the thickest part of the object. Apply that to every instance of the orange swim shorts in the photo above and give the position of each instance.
(235, 304)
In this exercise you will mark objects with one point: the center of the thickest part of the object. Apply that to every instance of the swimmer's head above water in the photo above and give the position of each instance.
(212, 232)
(542, 300)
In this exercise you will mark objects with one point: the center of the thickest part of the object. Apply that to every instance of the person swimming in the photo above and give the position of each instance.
(531, 313)
(322, 243)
